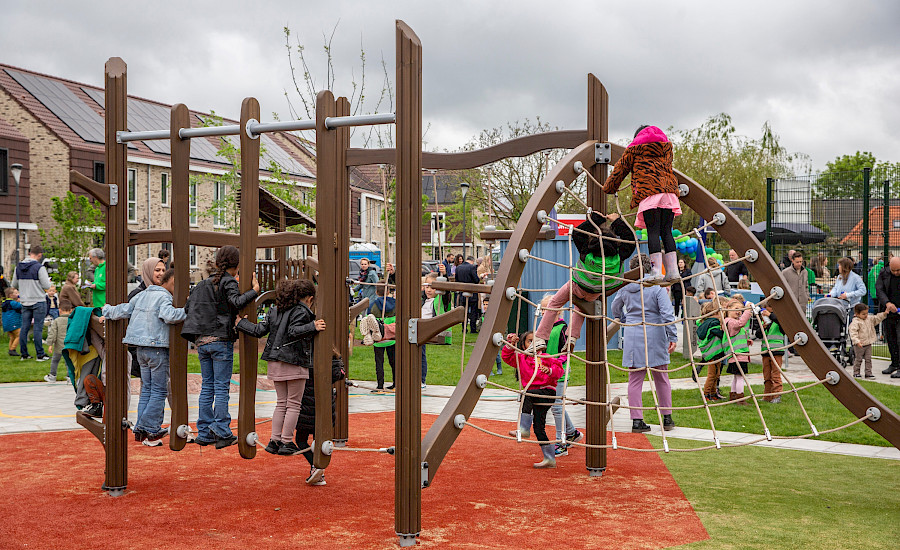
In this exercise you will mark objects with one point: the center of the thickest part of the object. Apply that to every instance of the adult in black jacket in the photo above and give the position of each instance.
(211, 311)
(468, 273)
(306, 423)
(887, 290)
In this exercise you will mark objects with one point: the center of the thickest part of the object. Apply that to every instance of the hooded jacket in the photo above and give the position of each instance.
(290, 334)
(649, 160)
(525, 365)
(32, 281)
(657, 309)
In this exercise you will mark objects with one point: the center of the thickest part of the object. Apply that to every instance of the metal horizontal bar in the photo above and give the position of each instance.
(256, 128)
(125, 137)
(208, 131)
(360, 120)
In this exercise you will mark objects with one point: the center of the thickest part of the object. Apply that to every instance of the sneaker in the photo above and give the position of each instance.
(316, 476)
(152, 442)
(273, 447)
(222, 442)
(377, 390)
(365, 330)
(776, 400)
(639, 426)
(13, 353)
(49, 378)
(538, 344)
(158, 435)
(889, 370)
(561, 450)
(896, 374)
(391, 387)
(139, 434)
(546, 463)
(25, 357)
(424, 385)
(574, 438)
(202, 442)
(858, 375)
(668, 423)
(42, 358)
(289, 449)
(94, 410)
(499, 372)
(870, 376)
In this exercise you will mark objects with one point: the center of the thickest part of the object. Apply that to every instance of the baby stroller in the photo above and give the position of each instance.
(831, 319)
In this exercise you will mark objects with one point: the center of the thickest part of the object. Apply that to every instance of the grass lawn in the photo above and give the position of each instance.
(756, 497)
(785, 418)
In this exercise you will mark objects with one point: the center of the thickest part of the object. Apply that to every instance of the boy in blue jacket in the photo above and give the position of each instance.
(12, 318)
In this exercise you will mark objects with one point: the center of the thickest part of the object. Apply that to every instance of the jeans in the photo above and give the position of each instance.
(36, 312)
(499, 364)
(379, 362)
(154, 364)
(216, 365)
(557, 410)
(891, 329)
(424, 364)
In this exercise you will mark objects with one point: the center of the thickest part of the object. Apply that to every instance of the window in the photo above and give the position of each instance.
(219, 210)
(132, 255)
(100, 172)
(896, 224)
(268, 253)
(193, 256)
(164, 189)
(132, 195)
(4, 172)
(192, 204)
(438, 229)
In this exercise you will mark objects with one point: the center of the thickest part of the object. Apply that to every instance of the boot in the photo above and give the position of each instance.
(639, 426)
(525, 421)
(670, 261)
(549, 457)
(655, 274)
(668, 423)
(740, 396)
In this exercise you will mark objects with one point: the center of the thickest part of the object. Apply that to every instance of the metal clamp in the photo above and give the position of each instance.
(832, 377)
(719, 218)
(802, 338)
(424, 475)
(113, 194)
(459, 421)
(542, 216)
(412, 332)
(875, 413)
(252, 439)
(327, 448)
(683, 190)
(248, 129)
(183, 431)
(481, 381)
(560, 185)
(510, 293)
(752, 255)
(578, 167)
(777, 292)
(523, 255)
(497, 339)
(602, 153)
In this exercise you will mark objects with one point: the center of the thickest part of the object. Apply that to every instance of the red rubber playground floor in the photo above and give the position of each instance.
(486, 495)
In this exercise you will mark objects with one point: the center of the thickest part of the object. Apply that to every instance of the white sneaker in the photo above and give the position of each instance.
(537, 345)
(49, 378)
(423, 385)
(316, 476)
(366, 329)
(155, 443)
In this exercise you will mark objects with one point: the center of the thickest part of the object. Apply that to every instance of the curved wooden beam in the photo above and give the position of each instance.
(519, 147)
(357, 308)
(429, 328)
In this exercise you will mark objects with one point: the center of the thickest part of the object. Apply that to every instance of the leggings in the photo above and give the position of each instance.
(289, 396)
(659, 226)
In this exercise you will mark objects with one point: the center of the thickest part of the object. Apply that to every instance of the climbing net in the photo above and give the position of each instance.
(610, 284)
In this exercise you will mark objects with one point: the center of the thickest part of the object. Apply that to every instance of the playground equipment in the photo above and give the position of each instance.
(416, 460)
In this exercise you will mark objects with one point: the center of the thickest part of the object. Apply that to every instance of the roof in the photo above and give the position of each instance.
(74, 112)
(447, 186)
(269, 211)
(876, 228)
(9, 131)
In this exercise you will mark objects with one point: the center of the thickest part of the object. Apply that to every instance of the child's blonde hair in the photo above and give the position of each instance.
(709, 307)
(9, 291)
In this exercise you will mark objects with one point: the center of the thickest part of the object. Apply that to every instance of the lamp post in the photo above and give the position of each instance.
(464, 187)
(16, 171)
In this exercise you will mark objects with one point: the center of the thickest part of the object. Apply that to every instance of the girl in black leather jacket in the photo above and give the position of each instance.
(291, 326)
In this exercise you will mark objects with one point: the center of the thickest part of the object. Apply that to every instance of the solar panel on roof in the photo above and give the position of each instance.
(63, 103)
(272, 152)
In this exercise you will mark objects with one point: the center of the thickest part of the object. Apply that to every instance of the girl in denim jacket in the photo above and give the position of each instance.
(150, 313)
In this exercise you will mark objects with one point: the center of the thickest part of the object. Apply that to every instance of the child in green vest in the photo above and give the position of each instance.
(383, 308)
(712, 347)
(773, 342)
(738, 316)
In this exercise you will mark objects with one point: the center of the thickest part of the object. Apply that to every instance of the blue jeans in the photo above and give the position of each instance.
(424, 364)
(557, 410)
(216, 365)
(36, 312)
(154, 364)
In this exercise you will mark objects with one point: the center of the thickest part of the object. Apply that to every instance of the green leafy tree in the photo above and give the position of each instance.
(844, 176)
(72, 235)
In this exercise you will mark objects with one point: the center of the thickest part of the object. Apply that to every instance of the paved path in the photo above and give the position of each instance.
(39, 406)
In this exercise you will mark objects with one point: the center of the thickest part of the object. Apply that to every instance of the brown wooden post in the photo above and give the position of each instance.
(180, 217)
(408, 466)
(248, 354)
(327, 299)
(116, 243)
(596, 417)
(342, 175)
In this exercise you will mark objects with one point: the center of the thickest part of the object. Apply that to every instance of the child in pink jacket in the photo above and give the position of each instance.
(736, 326)
(538, 376)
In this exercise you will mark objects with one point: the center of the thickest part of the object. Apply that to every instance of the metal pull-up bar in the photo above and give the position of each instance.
(255, 128)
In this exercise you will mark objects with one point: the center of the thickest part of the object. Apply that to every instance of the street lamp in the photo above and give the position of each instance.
(16, 171)
(464, 187)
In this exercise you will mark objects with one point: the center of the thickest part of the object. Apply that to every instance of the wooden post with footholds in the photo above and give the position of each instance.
(342, 215)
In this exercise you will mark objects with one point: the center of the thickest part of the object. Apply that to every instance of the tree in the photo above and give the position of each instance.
(729, 165)
(70, 239)
(844, 176)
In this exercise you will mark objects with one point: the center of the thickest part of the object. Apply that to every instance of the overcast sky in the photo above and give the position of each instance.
(825, 74)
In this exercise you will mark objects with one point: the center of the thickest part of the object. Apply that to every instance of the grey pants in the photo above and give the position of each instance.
(54, 362)
(860, 354)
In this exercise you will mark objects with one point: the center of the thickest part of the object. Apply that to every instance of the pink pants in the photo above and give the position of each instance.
(560, 299)
(663, 390)
(289, 396)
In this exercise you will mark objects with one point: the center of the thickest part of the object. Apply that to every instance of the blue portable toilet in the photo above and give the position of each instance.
(366, 250)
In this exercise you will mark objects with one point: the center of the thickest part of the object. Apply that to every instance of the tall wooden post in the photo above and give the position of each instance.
(597, 417)
(180, 218)
(408, 466)
(342, 174)
(327, 295)
(248, 354)
(116, 242)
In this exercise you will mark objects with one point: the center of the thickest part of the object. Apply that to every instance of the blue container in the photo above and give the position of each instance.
(374, 256)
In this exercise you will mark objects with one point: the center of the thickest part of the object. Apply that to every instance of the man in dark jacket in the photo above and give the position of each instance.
(887, 290)
(468, 273)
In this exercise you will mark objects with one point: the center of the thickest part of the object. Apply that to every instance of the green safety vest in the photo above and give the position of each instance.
(386, 343)
(711, 347)
(554, 343)
(594, 281)
(739, 342)
(775, 336)
(440, 309)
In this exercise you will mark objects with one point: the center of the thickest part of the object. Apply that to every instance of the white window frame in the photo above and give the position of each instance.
(192, 255)
(435, 241)
(192, 205)
(164, 188)
(220, 191)
(132, 255)
(131, 191)
(369, 211)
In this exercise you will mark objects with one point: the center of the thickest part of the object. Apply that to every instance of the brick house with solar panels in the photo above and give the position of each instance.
(52, 125)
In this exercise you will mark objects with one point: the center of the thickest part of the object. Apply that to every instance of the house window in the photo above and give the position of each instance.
(219, 210)
(164, 189)
(268, 253)
(896, 224)
(132, 255)
(100, 172)
(193, 256)
(4, 172)
(132, 195)
(192, 204)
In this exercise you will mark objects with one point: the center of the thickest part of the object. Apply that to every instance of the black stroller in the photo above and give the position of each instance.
(831, 319)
